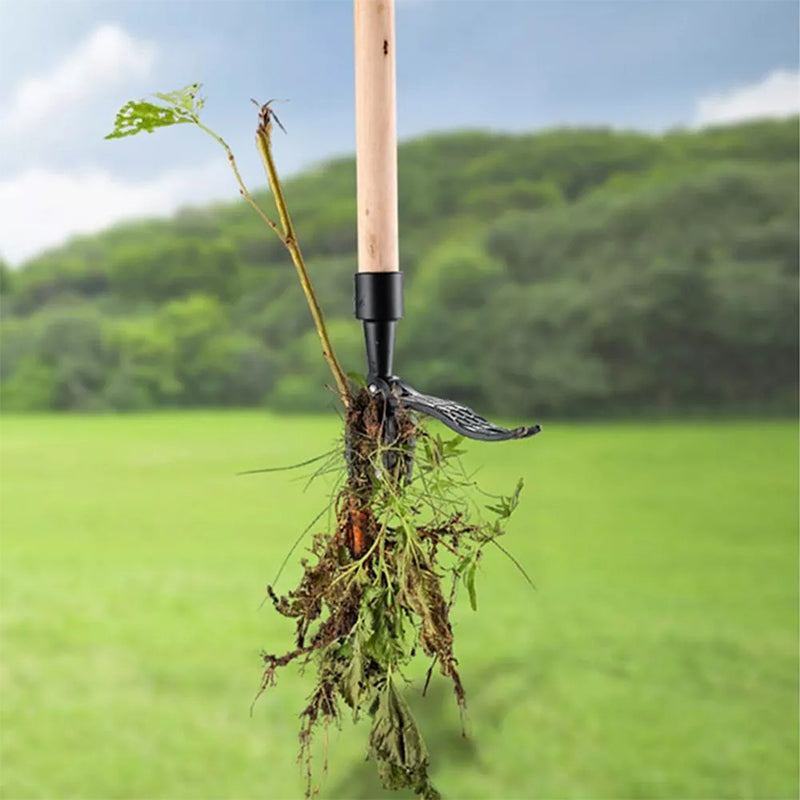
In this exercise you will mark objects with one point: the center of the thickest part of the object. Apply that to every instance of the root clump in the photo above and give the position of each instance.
(371, 591)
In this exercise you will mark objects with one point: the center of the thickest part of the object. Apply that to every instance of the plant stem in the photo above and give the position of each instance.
(290, 241)
(242, 188)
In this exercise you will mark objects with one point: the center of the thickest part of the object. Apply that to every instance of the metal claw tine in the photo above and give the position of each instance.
(459, 418)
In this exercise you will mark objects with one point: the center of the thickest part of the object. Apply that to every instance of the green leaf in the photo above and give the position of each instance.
(469, 580)
(136, 116)
(186, 98)
(352, 682)
(397, 747)
(452, 448)
(382, 628)
(507, 504)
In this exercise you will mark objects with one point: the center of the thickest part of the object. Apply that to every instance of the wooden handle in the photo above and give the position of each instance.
(376, 136)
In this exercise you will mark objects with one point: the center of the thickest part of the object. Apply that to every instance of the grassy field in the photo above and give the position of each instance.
(658, 658)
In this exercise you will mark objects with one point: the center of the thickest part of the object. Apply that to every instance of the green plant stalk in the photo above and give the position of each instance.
(287, 236)
(263, 142)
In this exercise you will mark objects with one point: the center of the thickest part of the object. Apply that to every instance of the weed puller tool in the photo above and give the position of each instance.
(378, 282)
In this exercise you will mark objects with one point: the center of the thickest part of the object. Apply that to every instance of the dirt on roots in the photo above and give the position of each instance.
(369, 596)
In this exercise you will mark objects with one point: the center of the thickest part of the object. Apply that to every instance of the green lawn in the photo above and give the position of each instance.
(658, 657)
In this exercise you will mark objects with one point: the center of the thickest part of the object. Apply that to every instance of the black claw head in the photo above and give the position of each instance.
(459, 418)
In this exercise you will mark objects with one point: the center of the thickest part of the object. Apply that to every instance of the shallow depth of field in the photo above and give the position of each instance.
(657, 658)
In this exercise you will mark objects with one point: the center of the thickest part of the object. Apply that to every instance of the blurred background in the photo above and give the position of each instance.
(599, 231)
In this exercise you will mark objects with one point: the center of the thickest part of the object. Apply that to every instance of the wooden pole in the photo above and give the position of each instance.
(376, 136)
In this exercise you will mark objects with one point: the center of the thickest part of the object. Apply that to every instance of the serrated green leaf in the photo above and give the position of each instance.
(352, 682)
(397, 747)
(182, 106)
(382, 629)
(187, 98)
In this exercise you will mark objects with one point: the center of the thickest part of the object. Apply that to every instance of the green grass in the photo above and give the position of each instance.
(658, 657)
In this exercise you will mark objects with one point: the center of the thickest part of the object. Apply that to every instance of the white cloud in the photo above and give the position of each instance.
(776, 95)
(40, 208)
(107, 57)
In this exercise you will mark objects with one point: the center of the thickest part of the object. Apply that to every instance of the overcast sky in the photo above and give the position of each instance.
(67, 65)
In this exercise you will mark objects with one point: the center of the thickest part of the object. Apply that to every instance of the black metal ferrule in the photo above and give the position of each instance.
(379, 304)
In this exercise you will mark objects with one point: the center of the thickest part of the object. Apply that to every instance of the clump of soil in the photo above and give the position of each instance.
(371, 592)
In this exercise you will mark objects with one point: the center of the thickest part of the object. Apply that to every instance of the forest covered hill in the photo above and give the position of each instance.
(576, 271)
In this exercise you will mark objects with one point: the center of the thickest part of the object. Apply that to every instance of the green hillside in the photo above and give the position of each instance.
(578, 271)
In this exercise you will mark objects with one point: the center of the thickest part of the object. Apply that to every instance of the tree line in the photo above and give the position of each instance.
(578, 272)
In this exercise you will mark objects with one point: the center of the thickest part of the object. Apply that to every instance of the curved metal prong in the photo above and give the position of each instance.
(459, 418)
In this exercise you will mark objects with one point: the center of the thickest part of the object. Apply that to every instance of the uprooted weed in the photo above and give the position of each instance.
(372, 589)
